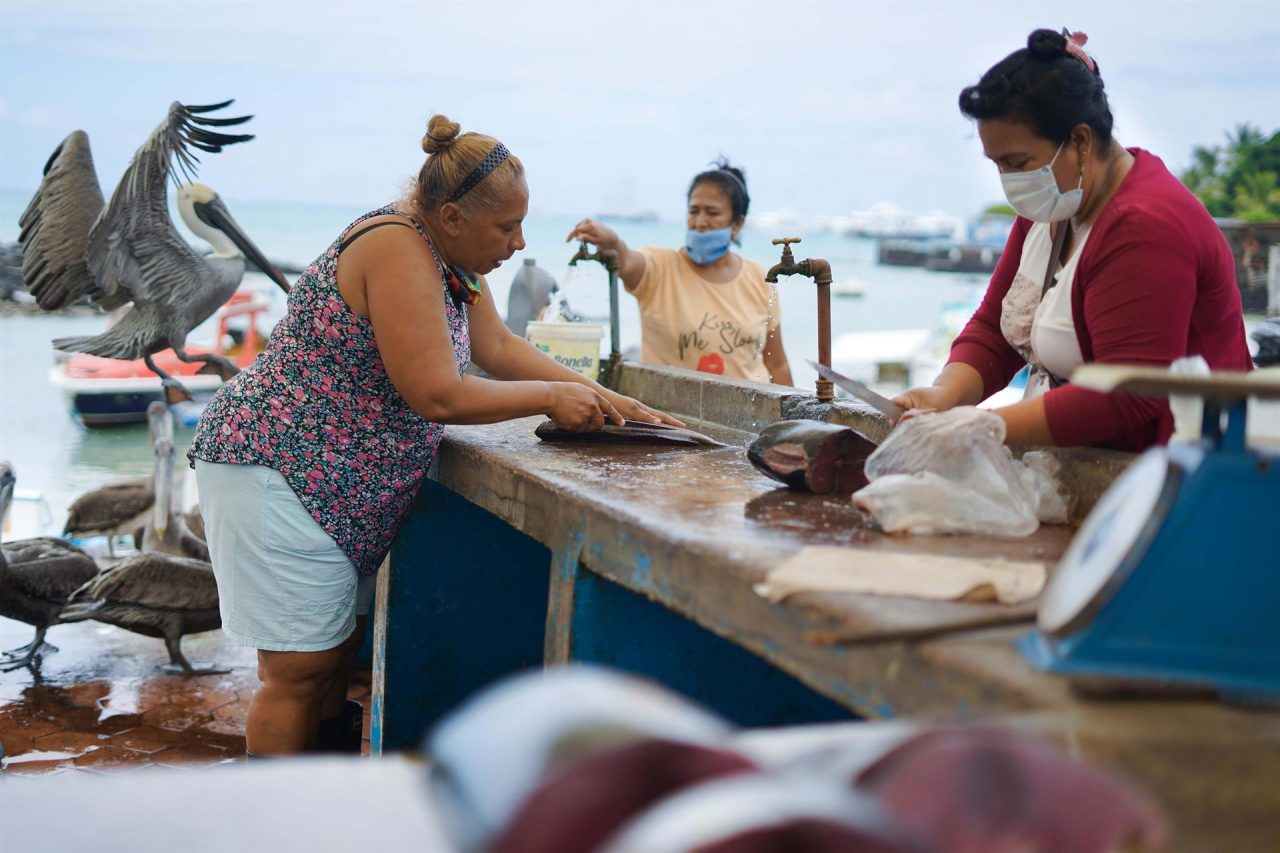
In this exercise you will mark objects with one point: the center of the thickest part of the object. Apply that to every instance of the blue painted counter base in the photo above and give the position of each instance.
(469, 599)
(464, 604)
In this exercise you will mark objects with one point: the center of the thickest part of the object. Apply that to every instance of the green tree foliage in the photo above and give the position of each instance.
(1240, 180)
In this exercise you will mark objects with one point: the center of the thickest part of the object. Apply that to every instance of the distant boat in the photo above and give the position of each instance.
(963, 258)
(899, 252)
(108, 391)
(848, 290)
(984, 241)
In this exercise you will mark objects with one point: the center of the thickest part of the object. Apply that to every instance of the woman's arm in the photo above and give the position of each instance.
(504, 355)
(1025, 423)
(405, 299)
(775, 359)
(631, 264)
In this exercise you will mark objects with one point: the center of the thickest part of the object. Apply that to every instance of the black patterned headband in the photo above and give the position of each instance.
(490, 162)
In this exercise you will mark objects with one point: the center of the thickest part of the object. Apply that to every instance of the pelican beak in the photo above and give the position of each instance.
(163, 485)
(215, 214)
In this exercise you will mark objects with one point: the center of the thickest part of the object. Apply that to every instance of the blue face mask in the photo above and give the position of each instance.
(707, 247)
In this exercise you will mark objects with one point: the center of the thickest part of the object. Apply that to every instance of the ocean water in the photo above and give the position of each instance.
(55, 455)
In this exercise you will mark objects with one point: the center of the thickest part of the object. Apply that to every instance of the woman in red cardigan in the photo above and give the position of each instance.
(1140, 273)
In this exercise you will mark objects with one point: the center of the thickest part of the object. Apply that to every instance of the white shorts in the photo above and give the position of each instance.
(284, 585)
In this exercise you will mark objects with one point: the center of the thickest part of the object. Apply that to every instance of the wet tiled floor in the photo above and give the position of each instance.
(102, 703)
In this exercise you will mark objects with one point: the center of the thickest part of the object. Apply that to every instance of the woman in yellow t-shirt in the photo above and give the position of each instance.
(702, 307)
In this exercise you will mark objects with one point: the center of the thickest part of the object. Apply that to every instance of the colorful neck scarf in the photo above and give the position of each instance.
(463, 288)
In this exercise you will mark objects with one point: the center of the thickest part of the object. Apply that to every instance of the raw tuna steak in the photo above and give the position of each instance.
(812, 456)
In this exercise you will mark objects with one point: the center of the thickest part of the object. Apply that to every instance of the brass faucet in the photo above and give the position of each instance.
(820, 271)
(609, 260)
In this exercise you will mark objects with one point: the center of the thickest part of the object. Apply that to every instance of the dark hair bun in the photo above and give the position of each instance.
(440, 134)
(1046, 44)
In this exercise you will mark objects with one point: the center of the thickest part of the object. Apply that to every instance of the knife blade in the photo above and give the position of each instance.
(883, 405)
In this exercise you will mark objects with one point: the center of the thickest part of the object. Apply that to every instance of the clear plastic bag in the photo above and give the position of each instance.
(949, 472)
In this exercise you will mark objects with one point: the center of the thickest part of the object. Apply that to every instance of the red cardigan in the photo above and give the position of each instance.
(1155, 282)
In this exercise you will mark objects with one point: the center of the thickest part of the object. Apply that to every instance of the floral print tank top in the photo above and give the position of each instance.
(318, 407)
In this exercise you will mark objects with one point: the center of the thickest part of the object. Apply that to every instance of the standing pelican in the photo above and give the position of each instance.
(37, 576)
(114, 510)
(166, 531)
(130, 251)
(157, 595)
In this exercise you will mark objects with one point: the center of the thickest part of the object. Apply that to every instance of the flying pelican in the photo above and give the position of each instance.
(157, 595)
(166, 531)
(37, 576)
(114, 510)
(130, 251)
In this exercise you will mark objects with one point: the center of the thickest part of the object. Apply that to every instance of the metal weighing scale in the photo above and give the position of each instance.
(1174, 578)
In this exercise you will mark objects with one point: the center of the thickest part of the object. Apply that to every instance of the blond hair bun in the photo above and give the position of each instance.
(440, 134)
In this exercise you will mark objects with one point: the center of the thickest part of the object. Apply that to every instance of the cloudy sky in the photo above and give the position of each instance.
(831, 107)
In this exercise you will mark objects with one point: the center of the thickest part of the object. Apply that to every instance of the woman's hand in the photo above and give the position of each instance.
(577, 408)
(634, 410)
(631, 264)
(932, 398)
(595, 233)
(957, 385)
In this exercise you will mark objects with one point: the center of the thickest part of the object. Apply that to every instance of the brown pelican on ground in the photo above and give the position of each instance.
(166, 531)
(36, 578)
(158, 595)
(117, 509)
(130, 251)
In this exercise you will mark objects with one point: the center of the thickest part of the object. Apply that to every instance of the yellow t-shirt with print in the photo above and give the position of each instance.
(687, 321)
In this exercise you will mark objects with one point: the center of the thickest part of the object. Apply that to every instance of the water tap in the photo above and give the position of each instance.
(607, 259)
(820, 271)
(609, 372)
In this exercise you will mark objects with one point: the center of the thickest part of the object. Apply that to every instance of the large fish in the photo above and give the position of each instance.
(631, 432)
(812, 456)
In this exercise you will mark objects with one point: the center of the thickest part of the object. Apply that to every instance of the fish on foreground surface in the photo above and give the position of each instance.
(631, 432)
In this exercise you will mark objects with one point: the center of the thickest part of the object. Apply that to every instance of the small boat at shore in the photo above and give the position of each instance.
(108, 391)
(978, 252)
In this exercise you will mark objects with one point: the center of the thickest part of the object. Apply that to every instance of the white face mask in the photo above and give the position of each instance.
(1035, 194)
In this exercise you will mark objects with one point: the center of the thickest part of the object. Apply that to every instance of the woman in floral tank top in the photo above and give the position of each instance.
(307, 461)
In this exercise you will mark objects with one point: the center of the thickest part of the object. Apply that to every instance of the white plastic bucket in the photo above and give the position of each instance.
(575, 345)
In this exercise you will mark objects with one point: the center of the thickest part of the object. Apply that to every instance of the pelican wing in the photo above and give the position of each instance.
(48, 568)
(134, 247)
(55, 226)
(156, 580)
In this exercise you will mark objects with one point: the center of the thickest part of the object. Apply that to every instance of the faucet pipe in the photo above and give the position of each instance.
(820, 271)
(610, 262)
